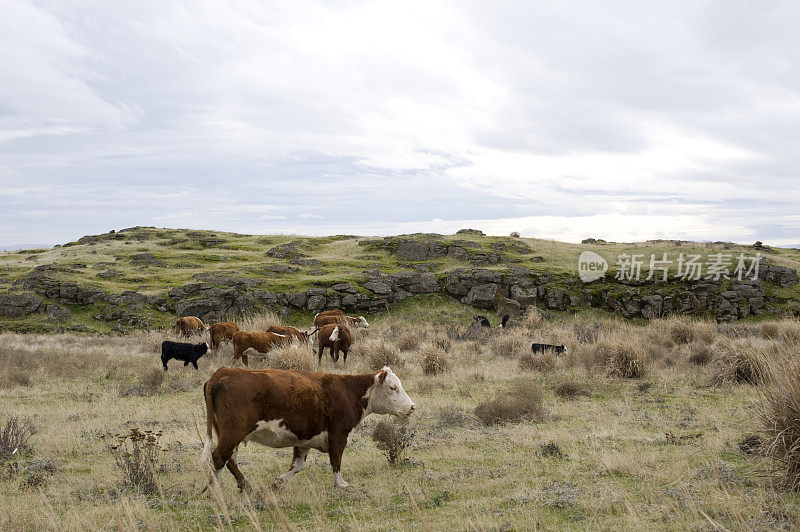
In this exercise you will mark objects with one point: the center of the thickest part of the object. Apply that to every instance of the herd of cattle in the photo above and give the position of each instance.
(289, 408)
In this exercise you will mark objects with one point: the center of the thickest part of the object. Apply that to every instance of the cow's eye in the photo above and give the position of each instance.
(393, 388)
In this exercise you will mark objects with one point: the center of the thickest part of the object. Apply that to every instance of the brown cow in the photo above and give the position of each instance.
(337, 338)
(292, 408)
(291, 332)
(329, 313)
(222, 331)
(261, 342)
(189, 324)
(341, 319)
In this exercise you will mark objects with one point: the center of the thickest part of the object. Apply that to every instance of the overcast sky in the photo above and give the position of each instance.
(619, 120)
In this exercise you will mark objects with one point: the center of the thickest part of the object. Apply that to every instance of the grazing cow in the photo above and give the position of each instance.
(222, 331)
(541, 348)
(292, 408)
(188, 353)
(483, 321)
(261, 342)
(340, 319)
(188, 325)
(337, 338)
(292, 333)
(329, 313)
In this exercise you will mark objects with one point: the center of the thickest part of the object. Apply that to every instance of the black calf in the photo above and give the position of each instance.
(188, 353)
(541, 348)
(482, 320)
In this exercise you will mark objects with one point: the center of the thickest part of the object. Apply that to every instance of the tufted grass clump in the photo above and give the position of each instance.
(434, 360)
(378, 353)
(623, 358)
(780, 404)
(291, 356)
(523, 401)
(570, 389)
(542, 362)
(509, 345)
(740, 361)
(148, 383)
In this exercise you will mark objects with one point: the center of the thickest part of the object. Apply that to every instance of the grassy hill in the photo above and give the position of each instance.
(152, 262)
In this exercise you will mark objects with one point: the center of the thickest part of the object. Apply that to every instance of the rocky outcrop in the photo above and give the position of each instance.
(16, 305)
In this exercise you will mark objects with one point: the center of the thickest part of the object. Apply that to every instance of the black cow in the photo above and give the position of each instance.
(188, 353)
(504, 323)
(481, 320)
(541, 348)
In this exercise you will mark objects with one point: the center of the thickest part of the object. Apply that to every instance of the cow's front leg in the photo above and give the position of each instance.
(298, 463)
(336, 445)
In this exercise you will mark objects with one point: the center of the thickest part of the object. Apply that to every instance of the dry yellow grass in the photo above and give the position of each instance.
(660, 453)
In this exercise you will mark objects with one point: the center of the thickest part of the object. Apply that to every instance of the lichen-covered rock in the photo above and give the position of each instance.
(482, 296)
(16, 305)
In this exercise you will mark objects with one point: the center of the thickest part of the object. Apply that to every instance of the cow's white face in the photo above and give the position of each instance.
(387, 395)
(362, 322)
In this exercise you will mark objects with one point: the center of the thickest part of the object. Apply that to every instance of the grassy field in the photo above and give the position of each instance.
(636, 427)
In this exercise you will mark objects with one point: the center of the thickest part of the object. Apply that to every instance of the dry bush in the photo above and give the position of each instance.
(433, 360)
(780, 404)
(510, 344)
(136, 455)
(291, 356)
(586, 334)
(570, 389)
(544, 362)
(700, 353)
(443, 342)
(790, 331)
(770, 330)
(259, 322)
(377, 353)
(409, 340)
(623, 358)
(522, 401)
(739, 361)
(15, 435)
(393, 438)
(532, 318)
(451, 415)
(149, 383)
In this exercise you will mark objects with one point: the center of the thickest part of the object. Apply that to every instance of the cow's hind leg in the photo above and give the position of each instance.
(222, 455)
(298, 463)
(336, 447)
(233, 467)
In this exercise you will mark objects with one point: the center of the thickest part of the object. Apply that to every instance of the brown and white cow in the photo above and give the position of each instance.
(293, 408)
(189, 324)
(337, 312)
(340, 319)
(261, 342)
(337, 338)
(292, 332)
(222, 331)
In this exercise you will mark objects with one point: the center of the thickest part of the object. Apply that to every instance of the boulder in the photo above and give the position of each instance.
(508, 306)
(482, 296)
(16, 305)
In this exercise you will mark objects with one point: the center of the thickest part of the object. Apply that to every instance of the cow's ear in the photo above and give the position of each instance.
(382, 376)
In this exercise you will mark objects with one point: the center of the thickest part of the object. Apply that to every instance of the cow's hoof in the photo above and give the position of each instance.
(342, 485)
(245, 487)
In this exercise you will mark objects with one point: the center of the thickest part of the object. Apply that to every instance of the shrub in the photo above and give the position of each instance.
(378, 353)
(532, 318)
(434, 360)
(15, 435)
(543, 362)
(770, 330)
(451, 415)
(681, 331)
(509, 345)
(780, 403)
(148, 384)
(443, 342)
(392, 438)
(700, 353)
(514, 234)
(523, 401)
(739, 361)
(292, 356)
(570, 389)
(790, 332)
(136, 456)
(623, 358)
(409, 340)
(259, 322)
